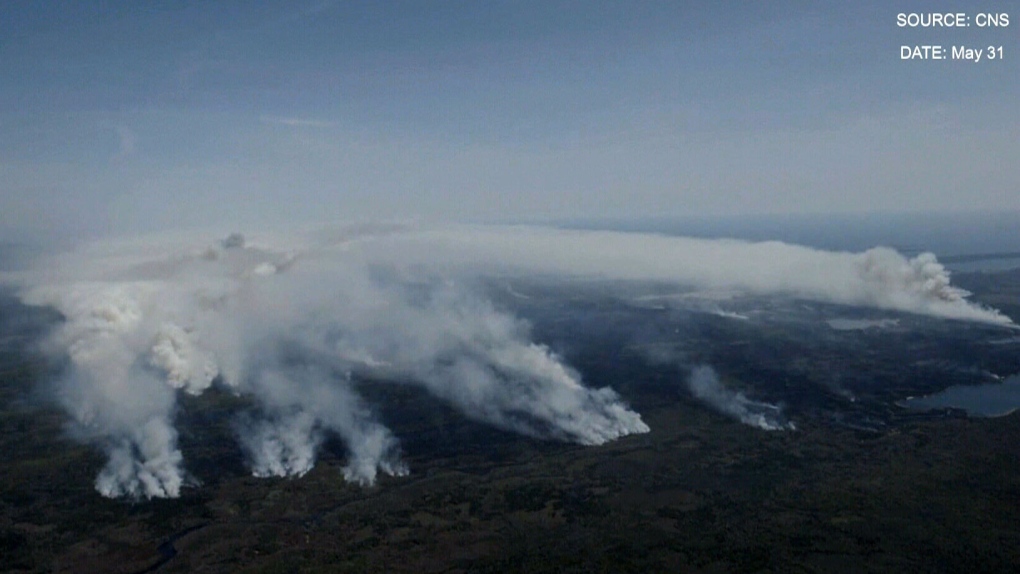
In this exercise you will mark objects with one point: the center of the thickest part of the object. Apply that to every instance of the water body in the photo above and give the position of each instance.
(991, 400)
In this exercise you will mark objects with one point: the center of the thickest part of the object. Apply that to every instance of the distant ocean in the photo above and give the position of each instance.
(962, 241)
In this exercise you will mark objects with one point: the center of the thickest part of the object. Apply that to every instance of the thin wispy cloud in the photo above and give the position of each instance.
(296, 122)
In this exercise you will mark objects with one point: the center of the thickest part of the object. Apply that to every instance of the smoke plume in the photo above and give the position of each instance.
(880, 277)
(292, 320)
(705, 386)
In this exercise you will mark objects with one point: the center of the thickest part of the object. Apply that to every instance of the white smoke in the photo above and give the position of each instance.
(186, 365)
(283, 446)
(304, 402)
(705, 386)
(480, 360)
(289, 320)
(143, 461)
(109, 392)
(879, 277)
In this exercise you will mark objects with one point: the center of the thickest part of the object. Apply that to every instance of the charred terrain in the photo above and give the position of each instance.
(861, 484)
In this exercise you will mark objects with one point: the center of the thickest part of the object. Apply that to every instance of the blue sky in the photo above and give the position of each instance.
(129, 116)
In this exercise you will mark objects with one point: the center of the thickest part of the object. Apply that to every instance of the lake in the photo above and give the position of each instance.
(991, 400)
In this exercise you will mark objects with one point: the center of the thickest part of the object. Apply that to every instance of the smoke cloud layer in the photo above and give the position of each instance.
(292, 320)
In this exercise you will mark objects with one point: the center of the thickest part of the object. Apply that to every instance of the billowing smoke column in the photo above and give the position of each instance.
(291, 320)
(119, 401)
(302, 404)
(705, 386)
